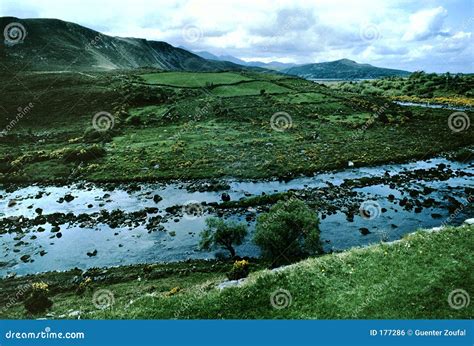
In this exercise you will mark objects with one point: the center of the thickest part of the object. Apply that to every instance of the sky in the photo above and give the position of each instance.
(434, 36)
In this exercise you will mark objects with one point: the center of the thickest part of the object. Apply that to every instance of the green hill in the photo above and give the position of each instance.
(52, 44)
(342, 69)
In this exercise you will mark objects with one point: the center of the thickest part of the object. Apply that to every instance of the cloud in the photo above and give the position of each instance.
(391, 33)
(425, 24)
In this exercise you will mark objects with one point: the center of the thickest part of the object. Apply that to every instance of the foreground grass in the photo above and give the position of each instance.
(404, 280)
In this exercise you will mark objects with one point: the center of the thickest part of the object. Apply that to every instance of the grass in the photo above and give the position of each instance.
(223, 130)
(410, 279)
(193, 79)
(251, 88)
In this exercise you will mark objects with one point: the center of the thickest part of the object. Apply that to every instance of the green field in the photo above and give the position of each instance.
(193, 79)
(387, 281)
(164, 132)
(251, 88)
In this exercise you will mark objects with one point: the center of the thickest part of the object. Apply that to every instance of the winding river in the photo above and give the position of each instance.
(81, 244)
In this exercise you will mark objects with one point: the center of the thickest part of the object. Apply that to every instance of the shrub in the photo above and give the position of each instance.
(239, 270)
(38, 300)
(288, 232)
(91, 135)
(82, 154)
(221, 234)
(84, 285)
(134, 120)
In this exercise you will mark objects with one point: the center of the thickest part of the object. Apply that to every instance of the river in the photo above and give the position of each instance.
(91, 243)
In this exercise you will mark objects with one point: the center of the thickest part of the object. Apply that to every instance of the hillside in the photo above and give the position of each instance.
(352, 284)
(342, 69)
(52, 44)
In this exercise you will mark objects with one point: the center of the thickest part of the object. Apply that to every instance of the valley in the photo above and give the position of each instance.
(115, 153)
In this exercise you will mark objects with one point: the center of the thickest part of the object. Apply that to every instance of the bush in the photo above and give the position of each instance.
(221, 234)
(134, 120)
(80, 154)
(288, 232)
(91, 135)
(38, 301)
(239, 270)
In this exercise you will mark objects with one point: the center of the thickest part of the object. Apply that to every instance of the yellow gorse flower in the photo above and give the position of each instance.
(40, 286)
(241, 264)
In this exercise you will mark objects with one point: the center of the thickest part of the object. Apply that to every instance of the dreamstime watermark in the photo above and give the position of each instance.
(95, 41)
(274, 216)
(369, 32)
(192, 210)
(457, 211)
(103, 299)
(17, 297)
(44, 334)
(103, 121)
(281, 299)
(371, 120)
(191, 33)
(14, 33)
(369, 210)
(21, 113)
(458, 299)
(459, 121)
(281, 121)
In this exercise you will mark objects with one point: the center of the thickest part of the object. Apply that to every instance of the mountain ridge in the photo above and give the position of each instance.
(342, 69)
(54, 44)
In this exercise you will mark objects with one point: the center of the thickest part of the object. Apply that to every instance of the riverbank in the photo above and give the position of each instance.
(88, 225)
(412, 278)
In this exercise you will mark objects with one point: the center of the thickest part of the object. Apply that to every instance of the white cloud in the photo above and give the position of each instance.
(425, 24)
(300, 31)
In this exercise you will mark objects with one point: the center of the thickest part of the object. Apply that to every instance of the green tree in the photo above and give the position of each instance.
(289, 231)
(222, 234)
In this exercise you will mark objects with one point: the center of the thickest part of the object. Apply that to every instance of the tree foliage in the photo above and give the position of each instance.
(222, 234)
(289, 231)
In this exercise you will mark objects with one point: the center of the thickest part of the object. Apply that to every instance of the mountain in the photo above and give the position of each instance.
(342, 69)
(273, 65)
(52, 44)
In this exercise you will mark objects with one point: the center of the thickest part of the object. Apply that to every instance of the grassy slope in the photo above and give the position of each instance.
(408, 279)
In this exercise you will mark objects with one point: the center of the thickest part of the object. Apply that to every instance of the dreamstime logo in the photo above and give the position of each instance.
(103, 299)
(191, 33)
(458, 299)
(22, 112)
(369, 210)
(192, 210)
(369, 33)
(459, 121)
(281, 121)
(103, 121)
(281, 299)
(14, 33)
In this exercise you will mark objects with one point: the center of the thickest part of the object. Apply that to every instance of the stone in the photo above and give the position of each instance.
(469, 221)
